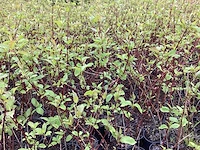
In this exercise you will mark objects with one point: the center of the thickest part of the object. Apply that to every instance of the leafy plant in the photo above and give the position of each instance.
(89, 74)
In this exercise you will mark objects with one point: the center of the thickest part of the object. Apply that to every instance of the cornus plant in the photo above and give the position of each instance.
(99, 74)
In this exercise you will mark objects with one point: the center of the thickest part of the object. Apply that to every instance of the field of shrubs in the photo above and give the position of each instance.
(100, 75)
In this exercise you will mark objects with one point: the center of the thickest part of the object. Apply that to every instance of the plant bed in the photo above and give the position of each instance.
(99, 74)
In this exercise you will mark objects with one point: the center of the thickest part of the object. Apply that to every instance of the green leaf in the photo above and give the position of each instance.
(28, 112)
(128, 140)
(59, 23)
(80, 109)
(89, 93)
(184, 121)
(75, 97)
(172, 53)
(44, 126)
(75, 133)
(110, 127)
(163, 126)
(55, 121)
(164, 109)
(173, 119)
(180, 109)
(49, 93)
(68, 138)
(86, 66)
(65, 77)
(39, 131)
(77, 71)
(33, 125)
(39, 110)
(109, 97)
(35, 102)
(42, 145)
(48, 133)
(105, 122)
(177, 110)
(138, 107)
(124, 103)
(20, 119)
(168, 76)
(62, 106)
(159, 65)
(174, 126)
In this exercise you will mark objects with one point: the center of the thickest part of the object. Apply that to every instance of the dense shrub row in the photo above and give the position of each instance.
(99, 75)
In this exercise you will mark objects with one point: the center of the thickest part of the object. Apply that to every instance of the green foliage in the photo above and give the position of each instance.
(67, 69)
(177, 118)
(194, 145)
